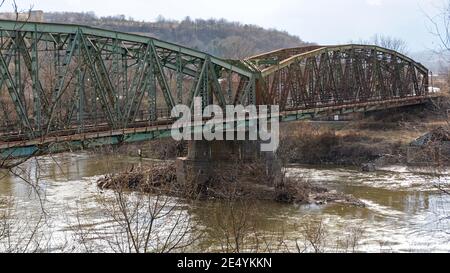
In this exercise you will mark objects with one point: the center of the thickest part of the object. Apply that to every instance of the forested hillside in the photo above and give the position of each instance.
(218, 37)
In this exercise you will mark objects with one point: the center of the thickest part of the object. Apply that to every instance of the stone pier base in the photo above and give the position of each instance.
(211, 161)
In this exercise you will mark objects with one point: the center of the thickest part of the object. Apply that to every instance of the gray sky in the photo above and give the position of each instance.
(320, 21)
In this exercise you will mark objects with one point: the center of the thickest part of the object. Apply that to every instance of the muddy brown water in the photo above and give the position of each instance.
(404, 213)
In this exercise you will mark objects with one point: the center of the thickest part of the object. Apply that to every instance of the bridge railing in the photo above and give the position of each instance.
(331, 102)
(90, 124)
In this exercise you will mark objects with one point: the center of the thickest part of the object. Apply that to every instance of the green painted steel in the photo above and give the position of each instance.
(84, 77)
(8, 25)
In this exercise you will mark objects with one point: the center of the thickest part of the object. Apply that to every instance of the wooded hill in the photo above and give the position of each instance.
(218, 37)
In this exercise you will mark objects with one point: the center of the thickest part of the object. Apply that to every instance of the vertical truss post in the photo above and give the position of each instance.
(397, 84)
(141, 93)
(9, 55)
(252, 91)
(196, 87)
(179, 79)
(336, 68)
(230, 87)
(116, 75)
(95, 103)
(18, 72)
(205, 89)
(80, 90)
(152, 92)
(124, 75)
(81, 98)
(104, 86)
(36, 85)
(138, 86)
(385, 78)
(216, 88)
(57, 68)
(161, 78)
(354, 89)
(61, 77)
(249, 86)
(417, 90)
(56, 55)
(15, 96)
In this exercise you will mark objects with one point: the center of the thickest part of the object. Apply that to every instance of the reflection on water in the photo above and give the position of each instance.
(404, 213)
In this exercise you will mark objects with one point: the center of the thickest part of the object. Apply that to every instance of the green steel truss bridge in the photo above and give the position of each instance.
(69, 86)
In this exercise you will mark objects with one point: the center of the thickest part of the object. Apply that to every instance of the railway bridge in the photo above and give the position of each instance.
(73, 87)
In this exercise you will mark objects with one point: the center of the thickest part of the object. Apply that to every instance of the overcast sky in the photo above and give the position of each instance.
(320, 21)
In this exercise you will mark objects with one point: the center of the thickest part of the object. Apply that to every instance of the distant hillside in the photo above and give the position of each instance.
(438, 63)
(218, 37)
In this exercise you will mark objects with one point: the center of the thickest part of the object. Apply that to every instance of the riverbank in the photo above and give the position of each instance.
(380, 138)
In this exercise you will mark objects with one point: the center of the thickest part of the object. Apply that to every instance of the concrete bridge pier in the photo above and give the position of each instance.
(209, 161)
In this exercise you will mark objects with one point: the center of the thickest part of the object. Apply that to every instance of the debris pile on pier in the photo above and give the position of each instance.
(147, 180)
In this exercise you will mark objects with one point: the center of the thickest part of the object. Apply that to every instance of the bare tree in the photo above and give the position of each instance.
(236, 47)
(314, 235)
(440, 25)
(21, 233)
(440, 28)
(234, 226)
(388, 42)
(138, 223)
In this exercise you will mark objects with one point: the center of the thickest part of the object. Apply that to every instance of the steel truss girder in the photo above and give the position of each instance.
(338, 74)
(15, 96)
(81, 78)
(70, 29)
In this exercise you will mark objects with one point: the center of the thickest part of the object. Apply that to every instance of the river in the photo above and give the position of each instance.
(405, 212)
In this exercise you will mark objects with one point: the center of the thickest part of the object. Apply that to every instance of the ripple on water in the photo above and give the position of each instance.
(392, 178)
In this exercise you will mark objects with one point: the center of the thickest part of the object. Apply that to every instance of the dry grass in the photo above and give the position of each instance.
(310, 144)
(379, 134)
(295, 191)
(165, 149)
